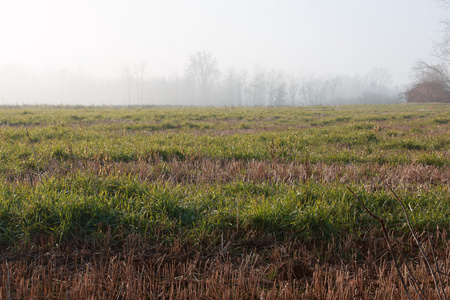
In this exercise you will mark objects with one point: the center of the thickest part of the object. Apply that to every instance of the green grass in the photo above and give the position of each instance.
(86, 191)
(86, 206)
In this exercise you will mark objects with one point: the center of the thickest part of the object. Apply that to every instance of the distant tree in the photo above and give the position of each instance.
(202, 68)
(126, 72)
(312, 91)
(378, 78)
(333, 87)
(280, 94)
(139, 70)
(431, 84)
(293, 88)
(259, 87)
(432, 79)
(243, 88)
(377, 82)
(432, 72)
(277, 93)
(428, 92)
(232, 88)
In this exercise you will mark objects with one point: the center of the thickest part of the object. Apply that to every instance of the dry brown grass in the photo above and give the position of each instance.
(206, 170)
(245, 269)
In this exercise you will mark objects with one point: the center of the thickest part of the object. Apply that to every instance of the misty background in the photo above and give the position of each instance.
(213, 52)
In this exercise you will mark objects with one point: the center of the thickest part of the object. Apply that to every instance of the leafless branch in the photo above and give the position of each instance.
(437, 267)
(386, 236)
(417, 241)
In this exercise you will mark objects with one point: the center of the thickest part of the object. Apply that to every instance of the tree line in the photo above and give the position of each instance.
(201, 83)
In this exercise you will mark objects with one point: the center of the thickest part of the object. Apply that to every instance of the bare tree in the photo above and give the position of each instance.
(432, 79)
(243, 88)
(378, 78)
(432, 84)
(139, 70)
(293, 90)
(277, 89)
(231, 87)
(202, 68)
(431, 72)
(128, 81)
(312, 91)
(441, 53)
(334, 89)
(259, 87)
(442, 48)
(378, 82)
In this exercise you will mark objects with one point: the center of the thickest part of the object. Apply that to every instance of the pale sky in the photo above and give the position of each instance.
(302, 36)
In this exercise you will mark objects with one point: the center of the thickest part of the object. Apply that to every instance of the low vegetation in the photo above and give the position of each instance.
(235, 203)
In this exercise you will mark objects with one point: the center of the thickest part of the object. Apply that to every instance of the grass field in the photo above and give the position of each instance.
(220, 203)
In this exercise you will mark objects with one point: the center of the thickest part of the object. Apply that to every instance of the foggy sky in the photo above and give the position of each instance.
(305, 37)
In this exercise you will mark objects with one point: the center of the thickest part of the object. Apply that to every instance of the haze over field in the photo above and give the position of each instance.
(255, 52)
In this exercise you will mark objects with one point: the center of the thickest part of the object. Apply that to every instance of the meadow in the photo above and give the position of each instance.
(214, 203)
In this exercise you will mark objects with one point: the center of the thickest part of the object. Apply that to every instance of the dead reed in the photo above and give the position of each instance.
(243, 269)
